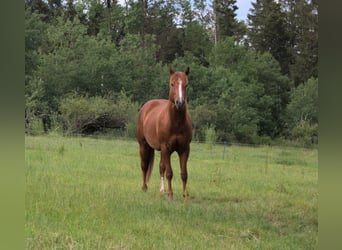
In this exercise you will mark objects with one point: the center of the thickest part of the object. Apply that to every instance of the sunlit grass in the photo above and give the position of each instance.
(84, 193)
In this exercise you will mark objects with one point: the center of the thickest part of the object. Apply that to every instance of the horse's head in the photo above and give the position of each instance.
(178, 85)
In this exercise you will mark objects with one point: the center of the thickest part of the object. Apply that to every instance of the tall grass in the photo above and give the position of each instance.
(86, 193)
(210, 135)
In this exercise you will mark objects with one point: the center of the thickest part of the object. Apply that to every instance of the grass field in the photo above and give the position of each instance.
(84, 193)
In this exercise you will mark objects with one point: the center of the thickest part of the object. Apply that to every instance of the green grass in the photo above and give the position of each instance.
(84, 193)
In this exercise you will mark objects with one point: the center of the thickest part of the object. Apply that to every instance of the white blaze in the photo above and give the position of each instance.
(180, 90)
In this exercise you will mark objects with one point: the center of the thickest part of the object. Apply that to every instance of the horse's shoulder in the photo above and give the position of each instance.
(154, 104)
(158, 102)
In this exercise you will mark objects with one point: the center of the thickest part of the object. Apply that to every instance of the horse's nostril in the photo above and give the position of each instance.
(179, 103)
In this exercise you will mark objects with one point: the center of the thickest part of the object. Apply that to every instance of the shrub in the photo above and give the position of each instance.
(305, 134)
(89, 115)
(33, 125)
(202, 115)
(210, 135)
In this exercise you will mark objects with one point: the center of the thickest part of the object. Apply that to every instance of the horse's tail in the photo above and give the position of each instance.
(150, 165)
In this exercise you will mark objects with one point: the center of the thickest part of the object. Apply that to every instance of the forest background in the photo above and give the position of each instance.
(90, 65)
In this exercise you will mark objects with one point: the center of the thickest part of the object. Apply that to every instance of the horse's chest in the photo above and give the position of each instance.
(181, 137)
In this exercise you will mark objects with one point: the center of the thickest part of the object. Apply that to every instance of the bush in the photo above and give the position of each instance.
(33, 125)
(302, 114)
(305, 134)
(201, 116)
(90, 115)
(210, 135)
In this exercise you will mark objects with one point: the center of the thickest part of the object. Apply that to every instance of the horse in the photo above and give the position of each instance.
(166, 126)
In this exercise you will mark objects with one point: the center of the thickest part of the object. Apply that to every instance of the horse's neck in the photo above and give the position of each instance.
(177, 115)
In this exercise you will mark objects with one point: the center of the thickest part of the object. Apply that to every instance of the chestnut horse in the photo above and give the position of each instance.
(165, 125)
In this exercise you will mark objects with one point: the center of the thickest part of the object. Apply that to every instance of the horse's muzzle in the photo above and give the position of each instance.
(179, 103)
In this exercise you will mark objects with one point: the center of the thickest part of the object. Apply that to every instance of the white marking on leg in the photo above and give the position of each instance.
(162, 187)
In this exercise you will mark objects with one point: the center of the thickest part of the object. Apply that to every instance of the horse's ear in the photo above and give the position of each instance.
(187, 71)
(171, 70)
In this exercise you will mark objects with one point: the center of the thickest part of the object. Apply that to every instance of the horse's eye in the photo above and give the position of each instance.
(172, 84)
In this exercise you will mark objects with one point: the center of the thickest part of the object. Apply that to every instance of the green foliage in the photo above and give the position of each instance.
(33, 125)
(98, 49)
(197, 41)
(225, 18)
(288, 30)
(228, 54)
(302, 113)
(35, 38)
(87, 115)
(305, 134)
(302, 25)
(237, 112)
(202, 116)
(275, 95)
(303, 104)
(210, 136)
(268, 33)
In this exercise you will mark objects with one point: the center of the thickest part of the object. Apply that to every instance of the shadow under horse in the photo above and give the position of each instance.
(166, 126)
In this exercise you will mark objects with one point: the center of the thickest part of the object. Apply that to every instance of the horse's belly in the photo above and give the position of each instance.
(152, 138)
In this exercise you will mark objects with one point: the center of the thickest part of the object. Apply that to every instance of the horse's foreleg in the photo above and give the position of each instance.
(162, 173)
(166, 163)
(169, 175)
(183, 158)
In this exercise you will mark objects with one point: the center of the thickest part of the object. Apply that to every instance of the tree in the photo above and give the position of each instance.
(98, 49)
(162, 25)
(303, 105)
(302, 25)
(277, 89)
(195, 39)
(35, 46)
(231, 56)
(95, 17)
(203, 13)
(238, 115)
(239, 98)
(155, 18)
(252, 76)
(224, 12)
(113, 25)
(302, 113)
(226, 24)
(70, 10)
(194, 36)
(39, 6)
(35, 39)
(268, 33)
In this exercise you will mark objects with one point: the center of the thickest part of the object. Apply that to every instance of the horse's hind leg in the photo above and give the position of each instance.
(146, 153)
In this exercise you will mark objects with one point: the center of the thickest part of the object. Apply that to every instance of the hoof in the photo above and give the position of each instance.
(170, 196)
(144, 188)
(185, 194)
